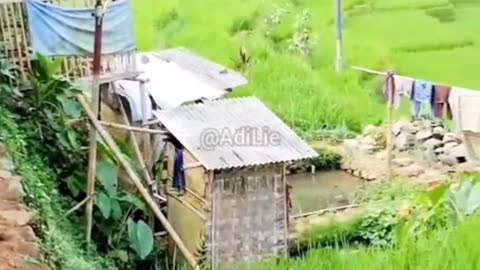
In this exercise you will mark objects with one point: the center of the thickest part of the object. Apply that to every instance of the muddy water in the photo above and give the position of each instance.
(321, 190)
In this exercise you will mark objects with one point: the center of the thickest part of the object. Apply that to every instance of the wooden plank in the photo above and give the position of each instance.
(111, 77)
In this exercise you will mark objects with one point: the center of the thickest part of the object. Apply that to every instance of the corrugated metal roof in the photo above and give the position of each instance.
(171, 85)
(217, 75)
(235, 132)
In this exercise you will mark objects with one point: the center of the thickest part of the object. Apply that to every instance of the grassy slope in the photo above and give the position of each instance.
(455, 249)
(62, 239)
(308, 94)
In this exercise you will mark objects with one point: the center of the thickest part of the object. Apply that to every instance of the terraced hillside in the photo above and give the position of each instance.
(292, 48)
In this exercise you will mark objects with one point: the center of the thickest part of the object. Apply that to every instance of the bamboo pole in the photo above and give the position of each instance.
(136, 180)
(92, 155)
(76, 207)
(390, 89)
(130, 128)
(188, 205)
(146, 137)
(136, 148)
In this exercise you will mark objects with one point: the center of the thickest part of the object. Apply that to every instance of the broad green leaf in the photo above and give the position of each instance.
(107, 174)
(134, 200)
(132, 228)
(461, 195)
(70, 106)
(473, 202)
(116, 209)
(104, 203)
(76, 184)
(144, 236)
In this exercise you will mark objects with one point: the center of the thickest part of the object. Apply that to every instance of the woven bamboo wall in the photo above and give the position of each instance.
(14, 36)
(248, 221)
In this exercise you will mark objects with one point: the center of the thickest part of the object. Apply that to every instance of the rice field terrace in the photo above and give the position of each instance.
(290, 66)
(291, 45)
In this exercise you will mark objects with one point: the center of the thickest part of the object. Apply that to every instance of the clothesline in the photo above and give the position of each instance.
(385, 73)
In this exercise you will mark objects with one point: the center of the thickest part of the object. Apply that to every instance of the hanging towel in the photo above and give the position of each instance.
(440, 97)
(131, 91)
(59, 31)
(178, 172)
(395, 99)
(465, 110)
(403, 86)
(422, 94)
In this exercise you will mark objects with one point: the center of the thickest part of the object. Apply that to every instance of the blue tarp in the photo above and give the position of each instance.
(59, 31)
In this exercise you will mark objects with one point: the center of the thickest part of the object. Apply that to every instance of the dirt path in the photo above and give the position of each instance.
(19, 248)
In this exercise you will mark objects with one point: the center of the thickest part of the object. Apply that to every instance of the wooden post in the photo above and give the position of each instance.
(390, 92)
(146, 137)
(92, 155)
(137, 182)
(136, 149)
(339, 39)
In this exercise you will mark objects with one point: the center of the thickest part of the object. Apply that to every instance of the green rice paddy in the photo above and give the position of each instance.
(429, 39)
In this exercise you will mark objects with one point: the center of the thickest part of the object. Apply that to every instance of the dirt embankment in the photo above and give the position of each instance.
(19, 248)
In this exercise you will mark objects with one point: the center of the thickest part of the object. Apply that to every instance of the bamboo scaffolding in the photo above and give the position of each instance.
(136, 148)
(92, 154)
(130, 128)
(188, 205)
(78, 206)
(137, 182)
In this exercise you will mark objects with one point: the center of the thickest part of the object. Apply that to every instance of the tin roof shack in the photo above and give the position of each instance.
(233, 208)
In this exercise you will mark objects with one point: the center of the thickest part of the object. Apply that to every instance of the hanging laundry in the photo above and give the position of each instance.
(403, 86)
(465, 110)
(440, 101)
(394, 100)
(178, 181)
(422, 95)
(59, 31)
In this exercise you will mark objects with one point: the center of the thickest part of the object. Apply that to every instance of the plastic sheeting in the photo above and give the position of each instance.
(59, 31)
(130, 90)
(170, 85)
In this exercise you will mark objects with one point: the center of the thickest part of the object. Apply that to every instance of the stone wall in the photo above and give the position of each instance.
(19, 247)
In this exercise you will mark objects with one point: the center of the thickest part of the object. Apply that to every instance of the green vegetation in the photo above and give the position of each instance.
(453, 249)
(429, 231)
(50, 154)
(429, 39)
(61, 238)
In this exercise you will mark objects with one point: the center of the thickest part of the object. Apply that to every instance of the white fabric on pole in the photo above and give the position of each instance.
(465, 109)
(131, 91)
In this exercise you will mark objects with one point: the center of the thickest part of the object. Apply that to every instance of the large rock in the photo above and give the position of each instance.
(449, 146)
(6, 164)
(469, 166)
(411, 171)
(402, 162)
(404, 141)
(439, 130)
(15, 187)
(448, 160)
(459, 151)
(351, 145)
(16, 217)
(6, 175)
(370, 130)
(423, 135)
(450, 137)
(432, 143)
(366, 149)
(368, 140)
(403, 126)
